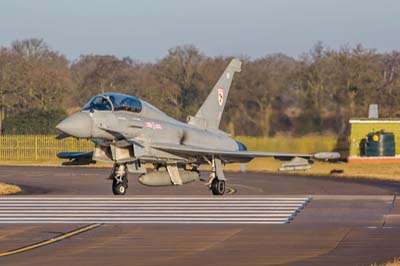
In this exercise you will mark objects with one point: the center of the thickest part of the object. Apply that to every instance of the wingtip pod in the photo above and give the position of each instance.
(327, 156)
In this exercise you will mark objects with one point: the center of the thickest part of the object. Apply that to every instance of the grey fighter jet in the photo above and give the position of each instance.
(130, 133)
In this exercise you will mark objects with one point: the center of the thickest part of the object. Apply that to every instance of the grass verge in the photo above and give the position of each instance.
(8, 189)
(55, 162)
(384, 171)
(395, 262)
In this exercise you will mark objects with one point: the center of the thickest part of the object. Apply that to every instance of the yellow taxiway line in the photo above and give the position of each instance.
(230, 190)
(50, 241)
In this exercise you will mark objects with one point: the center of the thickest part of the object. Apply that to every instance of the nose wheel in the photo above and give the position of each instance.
(119, 188)
(120, 180)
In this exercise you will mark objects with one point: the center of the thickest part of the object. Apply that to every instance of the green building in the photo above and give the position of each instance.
(359, 128)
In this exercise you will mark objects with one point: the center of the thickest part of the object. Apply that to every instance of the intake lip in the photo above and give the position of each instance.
(77, 125)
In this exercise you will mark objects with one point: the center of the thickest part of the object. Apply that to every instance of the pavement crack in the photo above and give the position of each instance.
(307, 260)
(389, 210)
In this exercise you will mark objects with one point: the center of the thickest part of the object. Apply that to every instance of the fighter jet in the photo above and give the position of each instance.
(131, 133)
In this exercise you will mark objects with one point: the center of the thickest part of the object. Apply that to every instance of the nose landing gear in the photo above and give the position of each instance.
(120, 179)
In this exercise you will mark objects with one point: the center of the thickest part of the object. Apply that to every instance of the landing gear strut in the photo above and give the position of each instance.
(120, 179)
(217, 178)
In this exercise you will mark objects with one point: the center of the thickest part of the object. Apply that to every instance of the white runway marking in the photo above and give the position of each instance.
(185, 210)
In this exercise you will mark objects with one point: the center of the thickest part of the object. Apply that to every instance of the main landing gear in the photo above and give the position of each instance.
(217, 186)
(217, 178)
(119, 176)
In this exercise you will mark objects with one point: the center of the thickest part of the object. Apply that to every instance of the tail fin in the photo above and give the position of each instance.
(210, 113)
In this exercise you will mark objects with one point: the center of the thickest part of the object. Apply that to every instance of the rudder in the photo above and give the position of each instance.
(210, 113)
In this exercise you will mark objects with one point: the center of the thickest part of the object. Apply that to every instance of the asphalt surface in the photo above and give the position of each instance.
(346, 222)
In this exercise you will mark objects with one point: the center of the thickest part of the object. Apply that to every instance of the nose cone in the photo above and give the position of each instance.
(77, 125)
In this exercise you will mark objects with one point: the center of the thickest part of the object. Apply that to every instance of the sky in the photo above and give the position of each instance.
(145, 29)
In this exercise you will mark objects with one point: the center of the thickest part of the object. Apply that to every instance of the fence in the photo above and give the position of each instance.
(38, 147)
(45, 148)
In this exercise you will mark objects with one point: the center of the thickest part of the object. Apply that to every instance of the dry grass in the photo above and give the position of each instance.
(395, 262)
(387, 171)
(7, 189)
(38, 148)
(384, 171)
(307, 144)
(55, 162)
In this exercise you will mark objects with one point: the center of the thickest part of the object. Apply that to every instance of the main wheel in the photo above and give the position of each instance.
(218, 186)
(119, 188)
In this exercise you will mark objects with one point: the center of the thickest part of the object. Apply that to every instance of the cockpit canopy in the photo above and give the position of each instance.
(114, 102)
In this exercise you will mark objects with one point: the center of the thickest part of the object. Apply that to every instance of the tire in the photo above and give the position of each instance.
(218, 187)
(120, 188)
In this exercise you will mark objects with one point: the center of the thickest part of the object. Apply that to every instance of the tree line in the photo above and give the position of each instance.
(315, 93)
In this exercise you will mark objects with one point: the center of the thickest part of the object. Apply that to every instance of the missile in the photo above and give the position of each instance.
(162, 178)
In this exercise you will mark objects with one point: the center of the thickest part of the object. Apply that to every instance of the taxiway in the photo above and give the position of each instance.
(316, 221)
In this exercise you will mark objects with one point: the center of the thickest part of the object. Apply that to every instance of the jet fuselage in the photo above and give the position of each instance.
(112, 120)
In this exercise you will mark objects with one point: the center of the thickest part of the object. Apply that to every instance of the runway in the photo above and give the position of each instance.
(344, 222)
(190, 210)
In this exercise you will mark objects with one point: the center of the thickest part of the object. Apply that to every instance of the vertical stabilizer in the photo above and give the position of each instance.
(210, 113)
